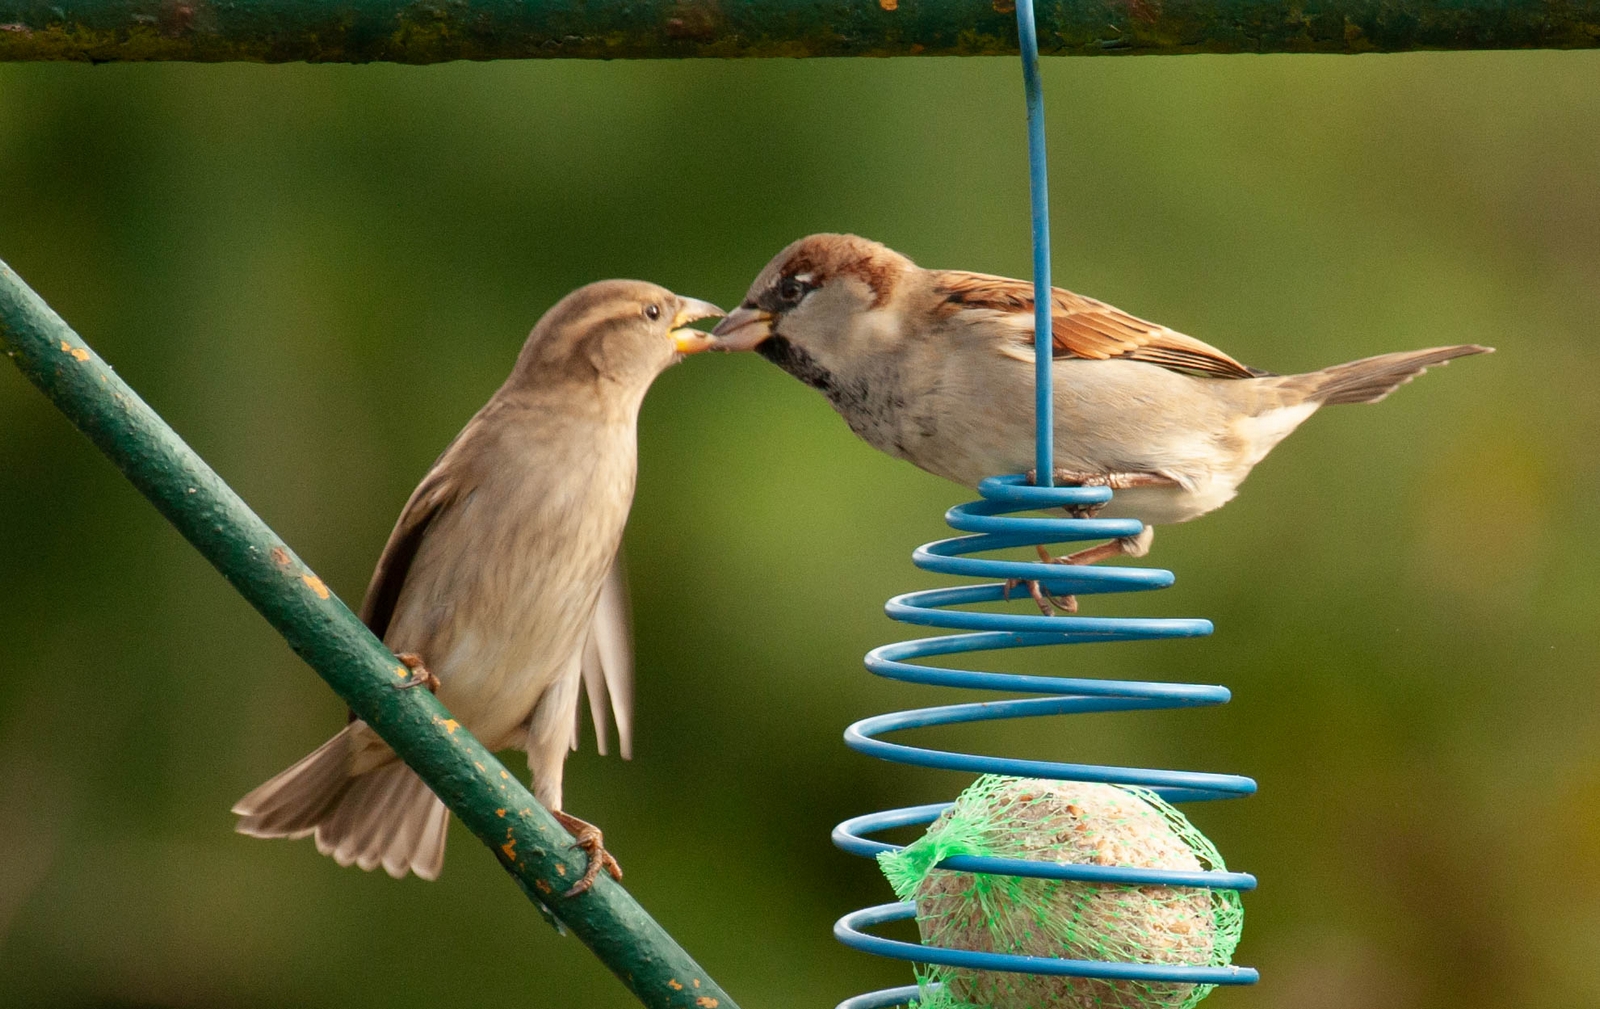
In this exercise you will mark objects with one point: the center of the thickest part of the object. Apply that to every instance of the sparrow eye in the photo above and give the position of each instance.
(791, 290)
(652, 312)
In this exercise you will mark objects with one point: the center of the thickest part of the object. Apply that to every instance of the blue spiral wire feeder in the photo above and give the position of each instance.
(993, 525)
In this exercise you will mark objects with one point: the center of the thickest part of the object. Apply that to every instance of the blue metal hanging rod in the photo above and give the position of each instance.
(991, 524)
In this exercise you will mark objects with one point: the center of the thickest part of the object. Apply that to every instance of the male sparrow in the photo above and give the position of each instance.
(494, 584)
(936, 367)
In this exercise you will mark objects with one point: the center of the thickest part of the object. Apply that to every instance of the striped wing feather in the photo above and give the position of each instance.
(1085, 328)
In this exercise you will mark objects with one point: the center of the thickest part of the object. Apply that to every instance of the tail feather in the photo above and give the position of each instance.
(350, 835)
(386, 816)
(293, 802)
(390, 818)
(1372, 378)
(425, 854)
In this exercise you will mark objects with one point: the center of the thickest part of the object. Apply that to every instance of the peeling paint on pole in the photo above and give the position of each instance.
(363, 31)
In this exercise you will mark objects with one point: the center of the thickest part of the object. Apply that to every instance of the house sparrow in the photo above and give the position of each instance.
(494, 586)
(936, 367)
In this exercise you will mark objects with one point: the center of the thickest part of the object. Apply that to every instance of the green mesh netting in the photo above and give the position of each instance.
(1068, 822)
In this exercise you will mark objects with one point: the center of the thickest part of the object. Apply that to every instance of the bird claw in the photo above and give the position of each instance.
(1073, 478)
(587, 837)
(420, 677)
(1048, 604)
(1111, 548)
(1116, 481)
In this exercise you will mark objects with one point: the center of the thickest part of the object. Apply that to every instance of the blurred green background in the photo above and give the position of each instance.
(318, 273)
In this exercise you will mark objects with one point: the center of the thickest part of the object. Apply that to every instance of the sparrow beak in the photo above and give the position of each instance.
(744, 329)
(693, 341)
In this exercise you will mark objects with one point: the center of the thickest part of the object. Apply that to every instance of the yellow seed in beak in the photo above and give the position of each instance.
(690, 341)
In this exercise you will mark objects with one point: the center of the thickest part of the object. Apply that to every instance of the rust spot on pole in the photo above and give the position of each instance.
(889, 5)
(176, 18)
(280, 557)
(316, 585)
(693, 20)
(1148, 11)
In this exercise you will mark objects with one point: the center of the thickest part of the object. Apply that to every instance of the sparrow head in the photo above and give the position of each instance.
(815, 302)
(622, 331)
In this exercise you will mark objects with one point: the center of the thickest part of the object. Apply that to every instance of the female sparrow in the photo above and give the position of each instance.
(936, 367)
(491, 585)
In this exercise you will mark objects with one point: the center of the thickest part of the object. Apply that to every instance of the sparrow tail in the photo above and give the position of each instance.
(1372, 378)
(386, 816)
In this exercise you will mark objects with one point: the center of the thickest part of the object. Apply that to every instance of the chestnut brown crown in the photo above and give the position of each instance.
(819, 260)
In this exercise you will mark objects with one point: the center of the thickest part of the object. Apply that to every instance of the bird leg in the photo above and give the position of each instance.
(589, 838)
(420, 677)
(1122, 545)
(1116, 481)
(1048, 604)
(1132, 546)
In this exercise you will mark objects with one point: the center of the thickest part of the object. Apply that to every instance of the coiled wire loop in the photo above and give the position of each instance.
(992, 525)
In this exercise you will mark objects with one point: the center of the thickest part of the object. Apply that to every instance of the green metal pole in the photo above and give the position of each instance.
(432, 31)
(323, 632)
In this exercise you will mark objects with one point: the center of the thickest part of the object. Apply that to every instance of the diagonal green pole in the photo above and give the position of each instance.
(323, 632)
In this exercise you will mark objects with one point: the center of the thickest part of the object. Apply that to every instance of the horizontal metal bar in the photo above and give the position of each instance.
(322, 631)
(433, 31)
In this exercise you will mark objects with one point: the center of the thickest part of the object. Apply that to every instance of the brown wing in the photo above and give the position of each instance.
(430, 498)
(1086, 328)
(427, 502)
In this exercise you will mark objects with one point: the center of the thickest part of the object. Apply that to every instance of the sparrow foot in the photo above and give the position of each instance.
(1122, 546)
(1116, 481)
(1130, 546)
(420, 677)
(1048, 604)
(1104, 551)
(589, 838)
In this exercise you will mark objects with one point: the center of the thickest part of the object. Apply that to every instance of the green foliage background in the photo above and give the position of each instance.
(318, 273)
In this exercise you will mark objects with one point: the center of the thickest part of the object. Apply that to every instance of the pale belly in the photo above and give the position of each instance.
(491, 681)
(1123, 417)
(501, 619)
(1160, 506)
